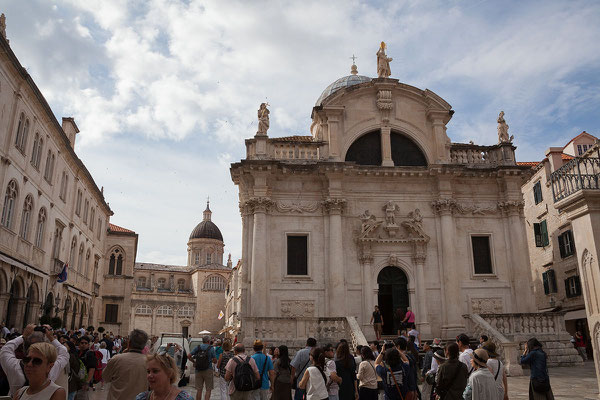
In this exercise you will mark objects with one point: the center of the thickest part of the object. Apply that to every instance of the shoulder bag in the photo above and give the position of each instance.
(395, 383)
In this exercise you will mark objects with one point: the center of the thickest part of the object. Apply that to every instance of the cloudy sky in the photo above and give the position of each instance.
(165, 92)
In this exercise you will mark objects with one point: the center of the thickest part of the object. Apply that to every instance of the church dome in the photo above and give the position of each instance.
(206, 229)
(342, 83)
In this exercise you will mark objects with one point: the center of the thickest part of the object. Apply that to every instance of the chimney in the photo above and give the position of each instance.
(70, 128)
(554, 155)
(3, 26)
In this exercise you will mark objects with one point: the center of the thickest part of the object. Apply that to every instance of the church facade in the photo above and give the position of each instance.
(377, 206)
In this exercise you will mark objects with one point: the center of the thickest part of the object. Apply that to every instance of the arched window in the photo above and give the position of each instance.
(26, 217)
(9, 203)
(208, 258)
(405, 152)
(181, 284)
(78, 202)
(164, 310)
(80, 263)
(215, 283)
(64, 185)
(72, 252)
(99, 228)
(34, 151)
(92, 216)
(39, 234)
(49, 171)
(196, 257)
(115, 263)
(87, 262)
(366, 150)
(141, 282)
(185, 311)
(161, 283)
(38, 155)
(86, 209)
(143, 309)
(20, 128)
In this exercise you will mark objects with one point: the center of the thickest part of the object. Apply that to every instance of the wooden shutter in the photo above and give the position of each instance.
(552, 281)
(537, 231)
(544, 228)
(577, 285)
(545, 280)
(561, 246)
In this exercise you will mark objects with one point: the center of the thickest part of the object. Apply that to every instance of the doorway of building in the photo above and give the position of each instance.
(185, 331)
(393, 294)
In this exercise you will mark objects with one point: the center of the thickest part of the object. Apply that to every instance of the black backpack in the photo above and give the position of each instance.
(244, 379)
(202, 362)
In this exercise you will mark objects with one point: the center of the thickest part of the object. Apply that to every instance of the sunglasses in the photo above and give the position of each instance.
(34, 360)
(83, 343)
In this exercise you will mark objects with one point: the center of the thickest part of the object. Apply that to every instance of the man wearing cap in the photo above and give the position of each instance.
(481, 383)
(265, 369)
(462, 341)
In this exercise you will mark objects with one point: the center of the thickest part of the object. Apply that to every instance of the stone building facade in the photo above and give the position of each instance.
(53, 212)
(166, 298)
(554, 256)
(378, 206)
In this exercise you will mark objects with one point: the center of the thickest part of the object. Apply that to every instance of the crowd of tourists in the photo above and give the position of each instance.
(43, 364)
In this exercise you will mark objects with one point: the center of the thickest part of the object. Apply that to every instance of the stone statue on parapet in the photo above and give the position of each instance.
(383, 62)
(503, 130)
(263, 119)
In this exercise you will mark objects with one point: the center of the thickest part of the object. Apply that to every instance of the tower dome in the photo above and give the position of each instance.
(342, 83)
(206, 229)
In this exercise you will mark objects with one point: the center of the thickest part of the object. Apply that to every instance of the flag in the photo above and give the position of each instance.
(62, 277)
(221, 315)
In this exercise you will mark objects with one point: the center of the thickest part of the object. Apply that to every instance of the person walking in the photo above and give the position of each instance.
(539, 381)
(314, 381)
(451, 378)
(481, 384)
(265, 366)
(204, 357)
(105, 358)
(299, 364)
(282, 385)
(234, 366)
(497, 369)
(409, 318)
(367, 376)
(224, 358)
(162, 373)
(37, 365)
(126, 372)
(88, 357)
(580, 345)
(346, 369)
(74, 384)
(377, 321)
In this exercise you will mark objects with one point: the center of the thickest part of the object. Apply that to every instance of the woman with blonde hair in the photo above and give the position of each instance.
(37, 365)
(162, 374)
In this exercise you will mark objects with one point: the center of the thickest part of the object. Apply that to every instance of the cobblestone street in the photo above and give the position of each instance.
(573, 383)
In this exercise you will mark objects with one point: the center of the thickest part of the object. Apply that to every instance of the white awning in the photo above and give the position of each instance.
(577, 314)
(77, 291)
(22, 266)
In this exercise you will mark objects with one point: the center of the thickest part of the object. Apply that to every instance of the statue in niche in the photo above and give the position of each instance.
(369, 224)
(263, 119)
(503, 129)
(390, 209)
(383, 62)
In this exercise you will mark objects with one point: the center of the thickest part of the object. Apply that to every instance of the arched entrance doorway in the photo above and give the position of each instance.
(49, 304)
(29, 311)
(11, 309)
(393, 294)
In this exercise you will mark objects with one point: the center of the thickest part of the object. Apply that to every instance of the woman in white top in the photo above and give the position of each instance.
(314, 380)
(105, 358)
(367, 376)
(497, 369)
(37, 364)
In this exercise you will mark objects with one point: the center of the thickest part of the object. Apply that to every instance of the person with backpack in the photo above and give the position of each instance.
(75, 367)
(265, 367)
(242, 374)
(314, 381)
(88, 357)
(204, 357)
(221, 364)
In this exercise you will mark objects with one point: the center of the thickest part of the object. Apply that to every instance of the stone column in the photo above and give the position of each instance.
(336, 290)
(258, 273)
(386, 147)
(366, 260)
(422, 319)
(3, 304)
(452, 319)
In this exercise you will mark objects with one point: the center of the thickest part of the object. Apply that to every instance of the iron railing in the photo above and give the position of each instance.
(581, 173)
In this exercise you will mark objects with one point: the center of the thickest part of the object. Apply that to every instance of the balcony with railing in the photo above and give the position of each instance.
(581, 173)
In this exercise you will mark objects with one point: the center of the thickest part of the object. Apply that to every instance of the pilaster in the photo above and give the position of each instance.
(336, 289)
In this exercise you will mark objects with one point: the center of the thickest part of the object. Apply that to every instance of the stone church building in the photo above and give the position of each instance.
(377, 206)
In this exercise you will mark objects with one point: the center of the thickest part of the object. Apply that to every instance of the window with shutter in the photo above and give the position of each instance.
(537, 193)
(561, 246)
(537, 232)
(552, 281)
(545, 281)
(573, 286)
(544, 228)
(566, 244)
(112, 313)
(297, 255)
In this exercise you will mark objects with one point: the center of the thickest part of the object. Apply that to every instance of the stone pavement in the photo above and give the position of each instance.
(572, 383)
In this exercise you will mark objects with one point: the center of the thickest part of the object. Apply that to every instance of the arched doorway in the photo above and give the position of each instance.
(393, 294)
(31, 297)
(11, 309)
(49, 304)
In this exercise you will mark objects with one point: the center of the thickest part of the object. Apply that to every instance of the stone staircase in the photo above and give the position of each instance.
(510, 332)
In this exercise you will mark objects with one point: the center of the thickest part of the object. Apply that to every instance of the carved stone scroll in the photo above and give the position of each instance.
(297, 308)
(297, 207)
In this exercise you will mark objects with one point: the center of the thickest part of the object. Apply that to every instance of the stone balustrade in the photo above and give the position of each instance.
(285, 149)
(510, 332)
(581, 173)
(294, 331)
(294, 151)
(482, 156)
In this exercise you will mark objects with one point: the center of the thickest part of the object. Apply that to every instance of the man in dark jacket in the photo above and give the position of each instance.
(452, 375)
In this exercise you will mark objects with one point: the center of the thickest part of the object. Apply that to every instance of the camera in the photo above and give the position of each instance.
(40, 328)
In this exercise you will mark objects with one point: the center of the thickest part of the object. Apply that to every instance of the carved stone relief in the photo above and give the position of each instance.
(297, 308)
(297, 207)
(491, 305)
